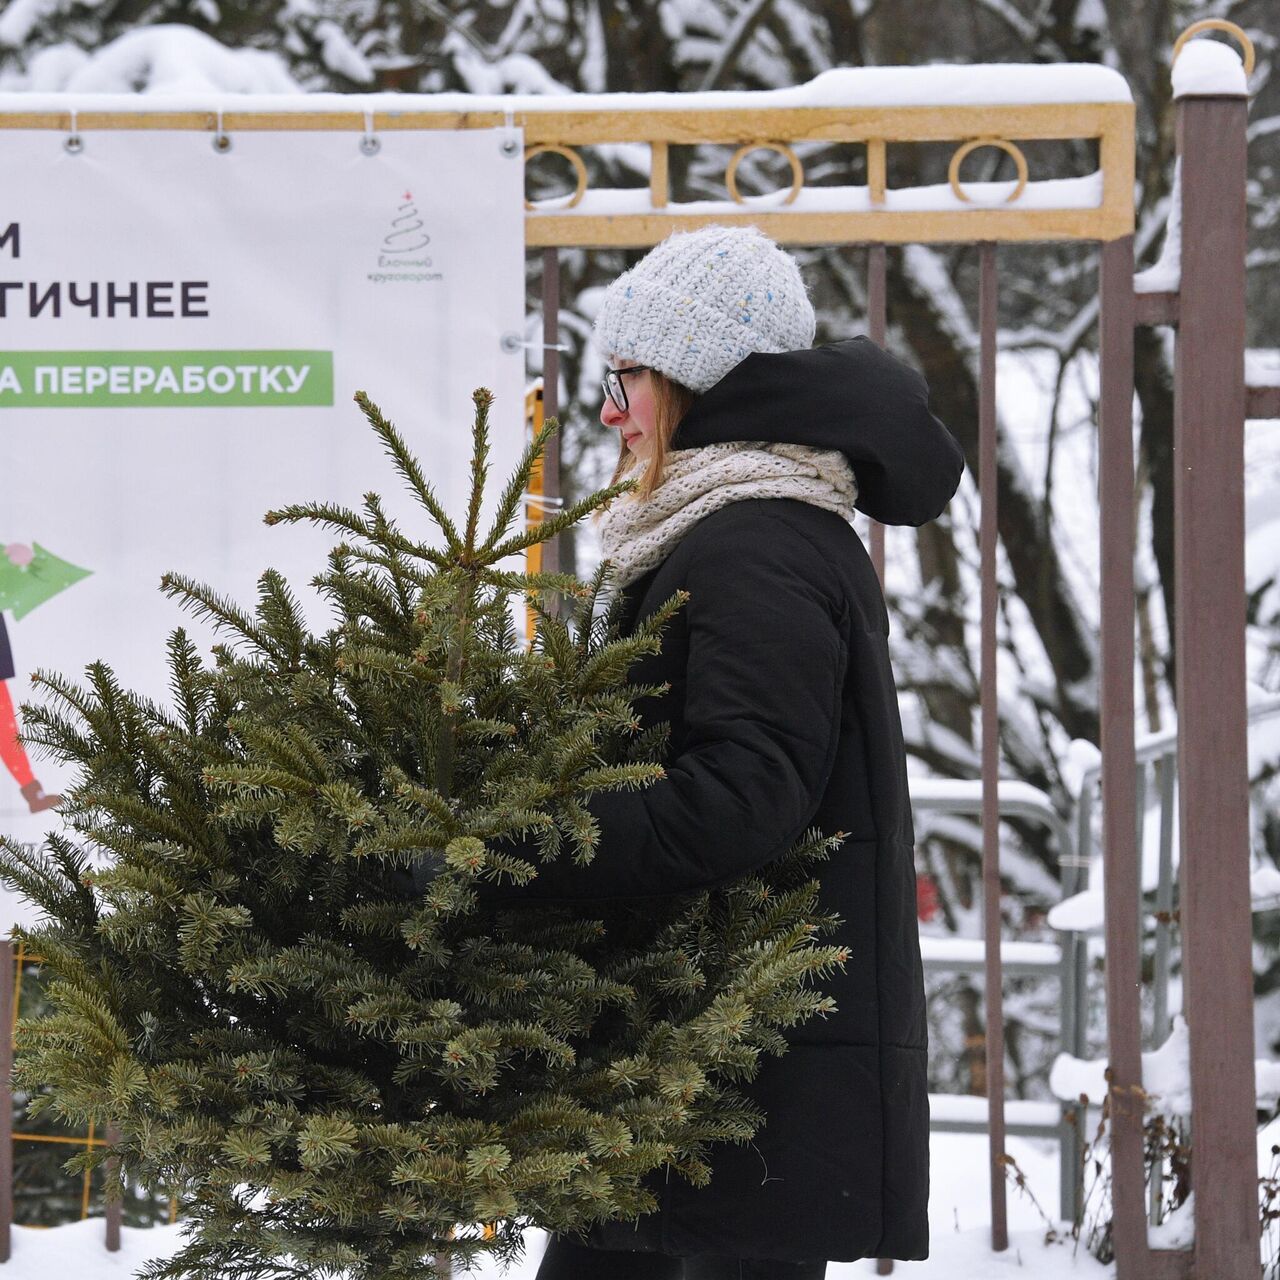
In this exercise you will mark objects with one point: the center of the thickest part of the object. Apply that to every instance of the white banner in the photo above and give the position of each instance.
(181, 334)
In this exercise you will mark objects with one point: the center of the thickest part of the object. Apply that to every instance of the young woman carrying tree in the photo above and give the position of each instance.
(752, 450)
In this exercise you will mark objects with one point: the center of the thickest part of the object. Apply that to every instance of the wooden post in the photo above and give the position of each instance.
(551, 401)
(1213, 792)
(993, 988)
(877, 314)
(114, 1208)
(1119, 810)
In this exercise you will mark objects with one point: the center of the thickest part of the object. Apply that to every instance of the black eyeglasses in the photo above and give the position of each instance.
(614, 388)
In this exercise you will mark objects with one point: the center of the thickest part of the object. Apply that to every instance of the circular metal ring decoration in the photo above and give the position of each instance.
(1216, 24)
(953, 170)
(579, 166)
(731, 173)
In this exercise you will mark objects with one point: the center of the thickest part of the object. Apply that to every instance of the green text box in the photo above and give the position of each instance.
(164, 379)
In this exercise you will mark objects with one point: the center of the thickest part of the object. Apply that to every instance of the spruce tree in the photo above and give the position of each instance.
(284, 982)
(45, 1195)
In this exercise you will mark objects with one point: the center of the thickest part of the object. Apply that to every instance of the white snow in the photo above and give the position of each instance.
(965, 1108)
(941, 791)
(1082, 757)
(1080, 913)
(932, 84)
(1165, 274)
(341, 55)
(960, 1233)
(1166, 1075)
(951, 950)
(170, 60)
(485, 78)
(49, 69)
(1264, 886)
(1178, 1230)
(1207, 66)
(1267, 1081)
(21, 17)
(1053, 193)
(1085, 912)
(1262, 366)
(1264, 742)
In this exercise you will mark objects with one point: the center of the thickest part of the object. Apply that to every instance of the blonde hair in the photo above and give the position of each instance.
(671, 401)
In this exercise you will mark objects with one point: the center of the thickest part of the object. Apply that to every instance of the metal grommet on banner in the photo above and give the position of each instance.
(73, 142)
(221, 139)
(510, 145)
(369, 144)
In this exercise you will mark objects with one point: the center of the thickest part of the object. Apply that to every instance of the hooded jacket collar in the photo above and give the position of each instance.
(852, 396)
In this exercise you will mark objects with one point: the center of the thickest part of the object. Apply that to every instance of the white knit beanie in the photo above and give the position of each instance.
(701, 301)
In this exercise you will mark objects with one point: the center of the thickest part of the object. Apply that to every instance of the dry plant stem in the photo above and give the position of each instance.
(1014, 1172)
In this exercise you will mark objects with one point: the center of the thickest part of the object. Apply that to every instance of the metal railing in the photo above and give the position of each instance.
(1156, 761)
(1079, 851)
(1065, 958)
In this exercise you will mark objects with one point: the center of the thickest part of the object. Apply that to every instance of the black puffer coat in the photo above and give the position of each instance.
(784, 715)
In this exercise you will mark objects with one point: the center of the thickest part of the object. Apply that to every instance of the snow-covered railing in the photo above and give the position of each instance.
(1155, 757)
(962, 1113)
(969, 955)
(1016, 799)
(1081, 912)
(974, 106)
(1063, 958)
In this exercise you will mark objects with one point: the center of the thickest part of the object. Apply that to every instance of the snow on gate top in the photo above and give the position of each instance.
(934, 84)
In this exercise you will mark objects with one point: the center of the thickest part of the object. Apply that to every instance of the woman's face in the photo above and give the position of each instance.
(637, 425)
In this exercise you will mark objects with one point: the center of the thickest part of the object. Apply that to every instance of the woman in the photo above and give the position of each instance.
(746, 442)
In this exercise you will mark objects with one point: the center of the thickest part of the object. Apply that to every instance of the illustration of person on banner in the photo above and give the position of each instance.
(29, 575)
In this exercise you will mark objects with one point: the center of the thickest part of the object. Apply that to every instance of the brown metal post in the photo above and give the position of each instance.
(1119, 810)
(877, 309)
(988, 297)
(114, 1208)
(7, 979)
(877, 314)
(551, 399)
(1209, 405)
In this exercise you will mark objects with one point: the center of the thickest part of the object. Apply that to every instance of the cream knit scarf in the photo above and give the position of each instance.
(637, 534)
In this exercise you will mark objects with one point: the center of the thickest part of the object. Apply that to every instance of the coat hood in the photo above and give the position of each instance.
(853, 396)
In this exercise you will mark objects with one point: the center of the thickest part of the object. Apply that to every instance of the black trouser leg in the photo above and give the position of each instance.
(567, 1260)
(708, 1267)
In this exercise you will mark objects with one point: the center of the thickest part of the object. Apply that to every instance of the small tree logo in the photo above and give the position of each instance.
(401, 259)
(407, 233)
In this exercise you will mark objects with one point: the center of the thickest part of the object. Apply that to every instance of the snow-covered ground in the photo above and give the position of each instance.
(959, 1214)
(958, 1211)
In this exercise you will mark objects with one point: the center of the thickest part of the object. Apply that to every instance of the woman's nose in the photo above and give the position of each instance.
(610, 414)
